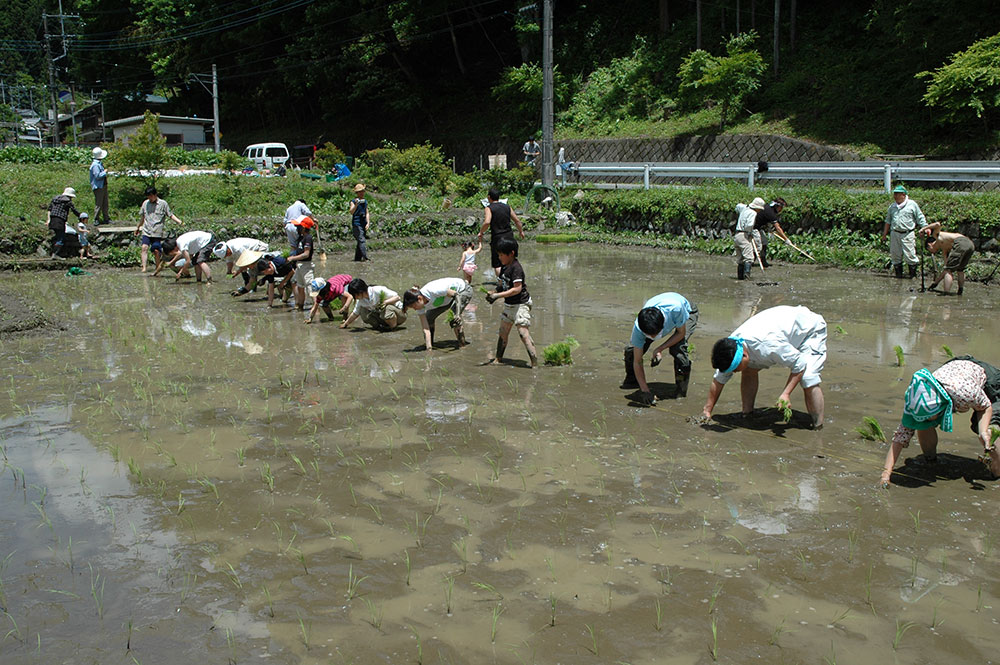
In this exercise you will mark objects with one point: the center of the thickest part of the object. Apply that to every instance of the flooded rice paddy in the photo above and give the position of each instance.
(191, 478)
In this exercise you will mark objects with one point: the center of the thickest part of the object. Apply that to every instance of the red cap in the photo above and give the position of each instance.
(306, 222)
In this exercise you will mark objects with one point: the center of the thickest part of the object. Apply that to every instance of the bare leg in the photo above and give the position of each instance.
(528, 345)
(501, 342)
(144, 256)
(928, 439)
(749, 382)
(206, 271)
(961, 281)
(815, 404)
(946, 281)
(300, 298)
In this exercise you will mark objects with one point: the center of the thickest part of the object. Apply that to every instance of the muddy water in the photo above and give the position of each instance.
(188, 478)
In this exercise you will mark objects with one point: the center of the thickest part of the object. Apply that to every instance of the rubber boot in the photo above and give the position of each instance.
(898, 269)
(747, 268)
(630, 380)
(763, 257)
(913, 271)
(740, 271)
(681, 380)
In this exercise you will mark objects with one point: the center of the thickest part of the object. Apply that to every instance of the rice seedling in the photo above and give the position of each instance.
(831, 659)
(406, 559)
(979, 598)
(241, 456)
(852, 544)
(593, 648)
(461, 548)
(497, 611)
(488, 588)
(786, 410)
(267, 598)
(713, 648)
(354, 583)
(374, 614)
(901, 628)
(560, 353)
(779, 628)
(420, 648)
(266, 476)
(304, 629)
(947, 350)
(935, 622)
(714, 597)
(658, 623)
(233, 576)
(15, 631)
(916, 520)
(868, 589)
(97, 591)
(871, 429)
(180, 503)
(898, 350)
(552, 609)
(449, 587)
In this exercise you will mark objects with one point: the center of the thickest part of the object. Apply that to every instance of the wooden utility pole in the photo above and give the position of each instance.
(52, 81)
(548, 92)
(664, 17)
(777, 23)
(697, 11)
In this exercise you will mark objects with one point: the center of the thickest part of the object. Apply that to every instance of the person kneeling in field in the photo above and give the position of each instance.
(447, 293)
(195, 247)
(377, 306)
(960, 384)
(513, 288)
(325, 291)
(956, 252)
(660, 316)
(267, 269)
(793, 337)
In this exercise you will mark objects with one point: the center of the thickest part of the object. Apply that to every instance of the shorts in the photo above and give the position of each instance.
(814, 349)
(960, 255)
(82, 240)
(303, 274)
(494, 257)
(155, 244)
(519, 314)
(379, 318)
(203, 254)
(469, 268)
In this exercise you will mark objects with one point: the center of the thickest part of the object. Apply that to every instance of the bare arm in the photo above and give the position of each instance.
(713, 397)
(486, 224)
(517, 223)
(890, 461)
(780, 232)
(349, 320)
(673, 339)
(313, 310)
(793, 380)
(512, 291)
(427, 333)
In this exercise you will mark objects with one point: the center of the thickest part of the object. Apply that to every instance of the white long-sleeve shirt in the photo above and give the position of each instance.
(793, 337)
(747, 217)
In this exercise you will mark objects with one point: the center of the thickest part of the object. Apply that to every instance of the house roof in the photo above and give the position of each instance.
(137, 119)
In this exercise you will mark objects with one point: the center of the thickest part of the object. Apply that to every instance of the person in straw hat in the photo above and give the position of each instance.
(959, 385)
(99, 183)
(59, 209)
(747, 238)
(360, 222)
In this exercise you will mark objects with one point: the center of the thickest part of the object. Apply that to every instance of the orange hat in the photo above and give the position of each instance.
(304, 221)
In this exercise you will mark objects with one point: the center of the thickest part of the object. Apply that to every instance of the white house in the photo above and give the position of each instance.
(176, 129)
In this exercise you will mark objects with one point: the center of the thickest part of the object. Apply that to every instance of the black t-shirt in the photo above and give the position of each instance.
(510, 275)
(765, 218)
(282, 266)
(500, 220)
(305, 244)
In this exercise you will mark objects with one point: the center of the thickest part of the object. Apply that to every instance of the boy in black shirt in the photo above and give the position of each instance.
(517, 302)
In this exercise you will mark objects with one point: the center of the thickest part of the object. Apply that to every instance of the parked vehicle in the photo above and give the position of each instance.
(267, 155)
(304, 156)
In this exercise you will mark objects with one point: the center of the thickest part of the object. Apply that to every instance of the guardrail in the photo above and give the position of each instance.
(751, 172)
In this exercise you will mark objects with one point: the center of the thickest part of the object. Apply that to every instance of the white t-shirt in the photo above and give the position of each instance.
(436, 292)
(376, 295)
(192, 241)
(239, 245)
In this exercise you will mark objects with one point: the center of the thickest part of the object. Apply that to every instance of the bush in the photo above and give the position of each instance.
(475, 183)
(120, 257)
(26, 154)
(328, 156)
(420, 166)
(146, 150)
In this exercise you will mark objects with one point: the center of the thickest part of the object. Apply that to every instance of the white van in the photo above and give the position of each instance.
(267, 155)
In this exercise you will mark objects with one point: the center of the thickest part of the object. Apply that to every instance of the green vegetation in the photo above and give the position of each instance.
(898, 350)
(968, 86)
(786, 410)
(560, 353)
(727, 80)
(871, 430)
(328, 155)
(547, 238)
(145, 150)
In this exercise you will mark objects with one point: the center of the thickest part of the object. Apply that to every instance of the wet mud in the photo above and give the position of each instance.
(191, 478)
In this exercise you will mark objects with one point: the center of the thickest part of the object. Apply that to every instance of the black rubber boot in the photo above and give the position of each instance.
(740, 271)
(898, 270)
(747, 268)
(630, 380)
(681, 380)
(763, 257)
(913, 271)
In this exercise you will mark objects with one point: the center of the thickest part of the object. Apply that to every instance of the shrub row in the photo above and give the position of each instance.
(66, 155)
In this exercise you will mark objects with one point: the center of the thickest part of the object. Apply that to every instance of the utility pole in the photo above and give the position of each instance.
(215, 104)
(548, 107)
(52, 82)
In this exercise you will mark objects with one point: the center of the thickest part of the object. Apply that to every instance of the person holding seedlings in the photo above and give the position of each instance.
(58, 213)
(99, 185)
(793, 337)
(445, 294)
(377, 306)
(903, 218)
(467, 264)
(153, 214)
(956, 252)
(297, 210)
(325, 291)
(195, 247)
(230, 251)
(747, 238)
(267, 269)
(513, 288)
(361, 221)
(302, 258)
(766, 223)
(668, 315)
(959, 385)
(498, 217)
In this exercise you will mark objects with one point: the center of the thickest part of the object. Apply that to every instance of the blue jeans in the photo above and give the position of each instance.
(360, 249)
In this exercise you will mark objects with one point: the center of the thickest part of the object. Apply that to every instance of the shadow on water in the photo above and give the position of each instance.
(918, 472)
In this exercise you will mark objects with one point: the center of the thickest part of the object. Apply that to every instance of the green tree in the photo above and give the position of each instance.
(328, 155)
(519, 93)
(146, 150)
(968, 85)
(727, 79)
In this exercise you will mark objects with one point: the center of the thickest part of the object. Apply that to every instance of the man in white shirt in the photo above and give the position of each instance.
(230, 251)
(436, 297)
(792, 337)
(747, 239)
(297, 210)
(195, 248)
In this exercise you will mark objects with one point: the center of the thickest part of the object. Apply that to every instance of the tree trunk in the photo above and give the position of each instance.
(664, 17)
(697, 8)
(777, 22)
(791, 35)
(737, 17)
(454, 44)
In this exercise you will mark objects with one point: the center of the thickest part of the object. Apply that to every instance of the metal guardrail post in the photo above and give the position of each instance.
(750, 178)
(645, 176)
(887, 178)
